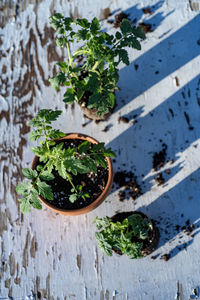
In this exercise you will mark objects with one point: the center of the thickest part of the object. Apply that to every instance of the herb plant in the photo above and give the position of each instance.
(95, 80)
(53, 156)
(126, 237)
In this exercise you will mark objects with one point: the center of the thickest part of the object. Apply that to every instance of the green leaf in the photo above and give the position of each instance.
(84, 147)
(60, 42)
(109, 153)
(22, 188)
(45, 175)
(97, 147)
(100, 160)
(75, 166)
(89, 162)
(83, 23)
(73, 198)
(118, 35)
(56, 134)
(29, 173)
(123, 56)
(111, 99)
(94, 27)
(25, 206)
(58, 80)
(82, 34)
(126, 26)
(60, 167)
(35, 135)
(36, 203)
(63, 66)
(49, 115)
(138, 32)
(135, 44)
(69, 96)
(44, 190)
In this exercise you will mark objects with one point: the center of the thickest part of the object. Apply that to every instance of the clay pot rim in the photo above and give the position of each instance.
(96, 202)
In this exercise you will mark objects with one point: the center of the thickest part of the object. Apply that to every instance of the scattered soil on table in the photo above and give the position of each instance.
(105, 13)
(159, 179)
(150, 244)
(159, 158)
(92, 183)
(123, 120)
(127, 181)
(147, 10)
(165, 257)
(146, 27)
(118, 19)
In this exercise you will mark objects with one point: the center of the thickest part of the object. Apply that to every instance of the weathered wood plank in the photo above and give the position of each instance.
(56, 257)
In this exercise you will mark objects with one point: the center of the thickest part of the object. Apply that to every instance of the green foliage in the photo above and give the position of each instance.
(127, 236)
(102, 53)
(52, 156)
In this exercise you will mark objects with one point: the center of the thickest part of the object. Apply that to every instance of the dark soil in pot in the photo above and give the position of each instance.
(150, 244)
(92, 183)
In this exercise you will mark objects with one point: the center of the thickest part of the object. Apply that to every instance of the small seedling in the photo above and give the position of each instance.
(54, 156)
(95, 80)
(126, 237)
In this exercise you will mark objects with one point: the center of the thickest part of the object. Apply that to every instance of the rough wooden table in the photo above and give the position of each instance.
(49, 256)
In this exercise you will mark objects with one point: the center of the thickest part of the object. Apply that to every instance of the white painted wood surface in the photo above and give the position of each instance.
(49, 256)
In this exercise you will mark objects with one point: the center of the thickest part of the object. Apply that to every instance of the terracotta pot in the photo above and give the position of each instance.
(96, 202)
(151, 243)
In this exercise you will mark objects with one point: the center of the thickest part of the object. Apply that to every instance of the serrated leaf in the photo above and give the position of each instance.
(109, 153)
(29, 173)
(69, 96)
(111, 99)
(123, 56)
(126, 26)
(60, 42)
(22, 188)
(118, 35)
(94, 27)
(100, 160)
(82, 22)
(73, 198)
(84, 147)
(97, 147)
(138, 32)
(60, 167)
(35, 135)
(36, 203)
(25, 206)
(63, 66)
(44, 190)
(81, 35)
(49, 115)
(75, 166)
(58, 80)
(89, 162)
(136, 44)
(56, 134)
(45, 175)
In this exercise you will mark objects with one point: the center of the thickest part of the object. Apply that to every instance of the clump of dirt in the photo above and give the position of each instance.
(147, 10)
(159, 179)
(146, 27)
(118, 19)
(123, 120)
(166, 257)
(127, 181)
(159, 158)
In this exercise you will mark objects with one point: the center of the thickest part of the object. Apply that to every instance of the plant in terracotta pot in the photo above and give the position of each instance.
(129, 233)
(71, 174)
(92, 83)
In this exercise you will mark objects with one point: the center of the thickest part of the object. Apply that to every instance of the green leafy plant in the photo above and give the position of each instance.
(95, 80)
(126, 237)
(54, 156)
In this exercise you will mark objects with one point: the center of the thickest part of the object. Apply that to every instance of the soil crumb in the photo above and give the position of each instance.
(146, 27)
(118, 19)
(159, 158)
(127, 181)
(123, 120)
(147, 10)
(165, 257)
(159, 179)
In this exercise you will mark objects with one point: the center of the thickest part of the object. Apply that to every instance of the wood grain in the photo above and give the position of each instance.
(48, 256)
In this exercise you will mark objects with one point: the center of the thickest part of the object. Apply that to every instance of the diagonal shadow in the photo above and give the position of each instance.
(173, 123)
(159, 62)
(176, 210)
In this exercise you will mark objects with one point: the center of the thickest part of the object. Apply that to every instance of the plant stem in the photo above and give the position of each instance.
(70, 180)
(95, 65)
